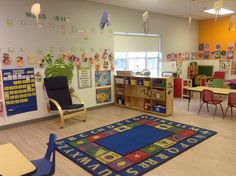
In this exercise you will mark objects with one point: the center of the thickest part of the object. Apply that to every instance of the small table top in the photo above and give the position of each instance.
(13, 162)
(221, 91)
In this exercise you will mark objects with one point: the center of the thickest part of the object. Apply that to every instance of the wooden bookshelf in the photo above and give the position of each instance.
(148, 94)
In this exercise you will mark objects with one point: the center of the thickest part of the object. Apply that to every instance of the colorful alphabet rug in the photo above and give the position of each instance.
(131, 147)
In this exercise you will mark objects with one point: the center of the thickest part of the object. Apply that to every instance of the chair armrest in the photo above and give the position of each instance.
(57, 105)
(72, 93)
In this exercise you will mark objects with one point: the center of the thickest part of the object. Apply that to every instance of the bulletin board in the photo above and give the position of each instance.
(205, 70)
(19, 90)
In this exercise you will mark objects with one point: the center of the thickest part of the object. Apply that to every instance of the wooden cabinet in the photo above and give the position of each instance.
(147, 94)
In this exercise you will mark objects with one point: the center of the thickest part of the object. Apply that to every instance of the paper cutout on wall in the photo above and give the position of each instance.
(74, 29)
(31, 58)
(6, 59)
(224, 65)
(40, 51)
(233, 67)
(84, 78)
(230, 46)
(105, 20)
(20, 61)
(38, 76)
(9, 23)
(22, 49)
(23, 22)
(84, 35)
(103, 95)
(10, 49)
(217, 54)
(232, 22)
(230, 54)
(41, 62)
(19, 90)
(218, 47)
(102, 78)
(179, 68)
(51, 27)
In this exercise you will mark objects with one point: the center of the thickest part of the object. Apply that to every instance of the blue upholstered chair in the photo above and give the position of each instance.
(59, 96)
(46, 165)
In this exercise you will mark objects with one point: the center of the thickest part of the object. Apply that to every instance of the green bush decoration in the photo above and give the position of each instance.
(59, 67)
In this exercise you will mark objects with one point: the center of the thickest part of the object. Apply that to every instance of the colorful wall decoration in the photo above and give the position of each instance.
(84, 78)
(102, 78)
(1, 97)
(19, 90)
(233, 67)
(103, 95)
(224, 65)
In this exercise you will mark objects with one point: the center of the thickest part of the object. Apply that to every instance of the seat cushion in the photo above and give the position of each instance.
(68, 107)
(43, 167)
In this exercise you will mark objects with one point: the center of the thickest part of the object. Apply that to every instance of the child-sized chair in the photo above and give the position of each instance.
(46, 165)
(208, 98)
(231, 103)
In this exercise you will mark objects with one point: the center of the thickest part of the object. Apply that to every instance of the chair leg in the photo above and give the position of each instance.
(215, 111)
(231, 111)
(200, 108)
(62, 123)
(207, 107)
(226, 111)
(222, 111)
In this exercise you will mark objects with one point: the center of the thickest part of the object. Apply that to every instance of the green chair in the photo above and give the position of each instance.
(217, 83)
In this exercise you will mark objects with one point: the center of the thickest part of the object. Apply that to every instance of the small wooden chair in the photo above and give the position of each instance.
(59, 97)
(231, 103)
(208, 98)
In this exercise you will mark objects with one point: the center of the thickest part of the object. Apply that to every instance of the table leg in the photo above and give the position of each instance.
(200, 99)
(189, 98)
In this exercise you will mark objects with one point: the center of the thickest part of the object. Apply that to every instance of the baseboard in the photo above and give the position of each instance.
(47, 118)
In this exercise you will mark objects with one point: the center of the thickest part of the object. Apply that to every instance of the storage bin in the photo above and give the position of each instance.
(159, 108)
(120, 80)
(147, 83)
(159, 95)
(140, 82)
(133, 82)
(232, 85)
(120, 91)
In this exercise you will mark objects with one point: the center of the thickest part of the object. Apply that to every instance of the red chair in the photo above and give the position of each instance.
(208, 98)
(217, 75)
(231, 103)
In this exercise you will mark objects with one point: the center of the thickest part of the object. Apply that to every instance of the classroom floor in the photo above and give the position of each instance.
(214, 157)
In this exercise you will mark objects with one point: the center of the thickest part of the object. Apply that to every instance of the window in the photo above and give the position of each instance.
(138, 61)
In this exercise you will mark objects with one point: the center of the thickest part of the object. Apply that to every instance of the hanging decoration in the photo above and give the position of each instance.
(232, 22)
(145, 22)
(105, 20)
(217, 7)
(190, 17)
(36, 10)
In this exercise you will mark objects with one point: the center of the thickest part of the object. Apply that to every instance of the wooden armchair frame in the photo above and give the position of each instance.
(67, 114)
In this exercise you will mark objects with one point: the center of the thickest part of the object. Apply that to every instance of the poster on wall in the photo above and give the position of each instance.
(224, 65)
(233, 67)
(1, 98)
(84, 78)
(19, 90)
(103, 95)
(102, 78)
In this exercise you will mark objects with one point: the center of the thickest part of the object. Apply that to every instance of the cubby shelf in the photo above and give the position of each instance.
(148, 94)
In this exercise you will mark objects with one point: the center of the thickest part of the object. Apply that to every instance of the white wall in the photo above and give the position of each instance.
(86, 16)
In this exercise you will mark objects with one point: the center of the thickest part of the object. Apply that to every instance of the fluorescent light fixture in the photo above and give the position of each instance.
(221, 12)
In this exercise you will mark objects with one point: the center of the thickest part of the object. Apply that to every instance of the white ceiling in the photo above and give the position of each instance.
(172, 7)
